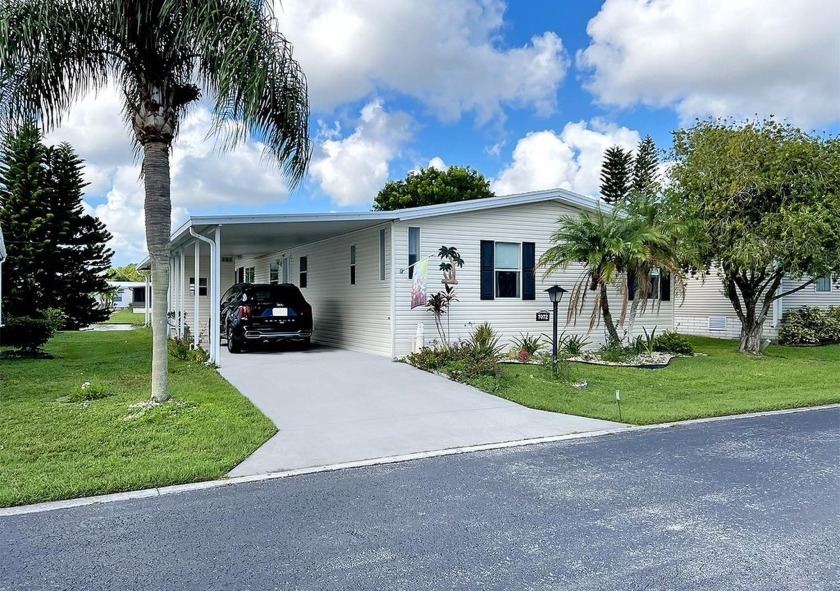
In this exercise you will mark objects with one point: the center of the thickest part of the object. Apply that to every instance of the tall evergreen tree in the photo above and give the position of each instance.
(24, 217)
(80, 242)
(645, 166)
(57, 253)
(616, 174)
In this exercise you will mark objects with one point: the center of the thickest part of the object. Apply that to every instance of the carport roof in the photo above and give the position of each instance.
(274, 232)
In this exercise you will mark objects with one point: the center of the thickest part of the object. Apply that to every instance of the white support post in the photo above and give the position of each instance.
(213, 333)
(182, 307)
(196, 282)
(170, 294)
(216, 273)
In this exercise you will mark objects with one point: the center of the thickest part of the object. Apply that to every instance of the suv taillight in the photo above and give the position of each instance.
(244, 311)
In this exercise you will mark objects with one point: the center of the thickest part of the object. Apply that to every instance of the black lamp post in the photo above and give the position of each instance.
(555, 294)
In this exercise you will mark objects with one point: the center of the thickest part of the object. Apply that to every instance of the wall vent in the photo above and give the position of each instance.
(717, 322)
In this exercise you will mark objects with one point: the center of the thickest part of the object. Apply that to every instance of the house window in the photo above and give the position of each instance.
(413, 250)
(274, 272)
(382, 254)
(304, 269)
(508, 272)
(202, 286)
(249, 275)
(823, 284)
(353, 264)
(659, 285)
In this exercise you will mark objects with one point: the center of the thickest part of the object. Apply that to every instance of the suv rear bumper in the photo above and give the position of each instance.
(267, 335)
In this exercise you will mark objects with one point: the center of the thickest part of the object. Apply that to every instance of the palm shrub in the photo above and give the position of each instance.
(162, 55)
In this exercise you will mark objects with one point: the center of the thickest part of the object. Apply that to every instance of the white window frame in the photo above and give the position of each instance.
(274, 272)
(353, 264)
(411, 264)
(817, 285)
(497, 269)
(303, 263)
(250, 275)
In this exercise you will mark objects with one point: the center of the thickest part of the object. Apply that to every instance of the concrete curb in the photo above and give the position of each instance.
(181, 488)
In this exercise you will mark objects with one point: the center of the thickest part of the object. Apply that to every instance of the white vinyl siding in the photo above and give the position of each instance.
(534, 222)
(356, 317)
(705, 300)
(382, 254)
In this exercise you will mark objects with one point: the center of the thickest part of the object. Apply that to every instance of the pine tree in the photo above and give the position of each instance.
(57, 254)
(616, 174)
(24, 217)
(80, 242)
(645, 166)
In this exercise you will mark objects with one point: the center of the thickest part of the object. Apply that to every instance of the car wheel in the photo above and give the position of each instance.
(232, 345)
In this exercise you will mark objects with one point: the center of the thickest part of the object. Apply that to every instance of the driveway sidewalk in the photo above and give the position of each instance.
(333, 406)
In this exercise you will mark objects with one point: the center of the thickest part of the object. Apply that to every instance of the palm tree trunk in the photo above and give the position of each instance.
(158, 208)
(605, 312)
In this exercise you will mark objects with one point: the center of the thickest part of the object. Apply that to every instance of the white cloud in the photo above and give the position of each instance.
(445, 53)
(438, 163)
(568, 160)
(718, 57)
(351, 170)
(202, 176)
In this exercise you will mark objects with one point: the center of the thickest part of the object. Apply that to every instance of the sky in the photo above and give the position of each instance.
(528, 92)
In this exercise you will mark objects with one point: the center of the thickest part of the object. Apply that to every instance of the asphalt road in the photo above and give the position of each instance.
(741, 504)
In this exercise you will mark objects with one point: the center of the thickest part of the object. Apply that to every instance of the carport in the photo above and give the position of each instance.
(210, 240)
(333, 406)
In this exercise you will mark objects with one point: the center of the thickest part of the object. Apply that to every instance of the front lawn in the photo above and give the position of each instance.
(57, 450)
(126, 317)
(721, 383)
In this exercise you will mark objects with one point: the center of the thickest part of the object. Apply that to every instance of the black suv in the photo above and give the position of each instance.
(263, 313)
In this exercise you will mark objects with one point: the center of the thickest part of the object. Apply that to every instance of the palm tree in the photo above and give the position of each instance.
(606, 244)
(161, 55)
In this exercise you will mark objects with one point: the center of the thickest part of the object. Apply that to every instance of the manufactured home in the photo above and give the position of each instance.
(357, 270)
(705, 311)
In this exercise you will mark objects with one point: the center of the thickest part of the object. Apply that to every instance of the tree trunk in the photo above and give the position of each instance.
(605, 312)
(751, 336)
(158, 209)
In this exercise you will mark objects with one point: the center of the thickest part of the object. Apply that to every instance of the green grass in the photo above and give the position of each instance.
(724, 382)
(126, 317)
(57, 450)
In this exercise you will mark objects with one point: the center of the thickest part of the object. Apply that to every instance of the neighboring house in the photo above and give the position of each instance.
(355, 269)
(707, 312)
(129, 294)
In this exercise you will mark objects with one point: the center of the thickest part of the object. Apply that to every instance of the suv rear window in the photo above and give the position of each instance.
(288, 294)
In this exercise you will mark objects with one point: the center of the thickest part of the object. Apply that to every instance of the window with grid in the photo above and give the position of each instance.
(508, 269)
(823, 284)
(304, 271)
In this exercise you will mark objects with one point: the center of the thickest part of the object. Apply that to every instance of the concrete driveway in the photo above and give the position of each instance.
(333, 406)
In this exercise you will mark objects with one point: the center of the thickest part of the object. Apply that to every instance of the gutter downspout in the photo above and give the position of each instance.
(213, 335)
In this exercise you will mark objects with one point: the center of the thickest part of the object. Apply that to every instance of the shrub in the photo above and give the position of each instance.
(181, 349)
(28, 334)
(87, 392)
(574, 345)
(526, 346)
(463, 362)
(485, 341)
(810, 326)
(613, 352)
(674, 343)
